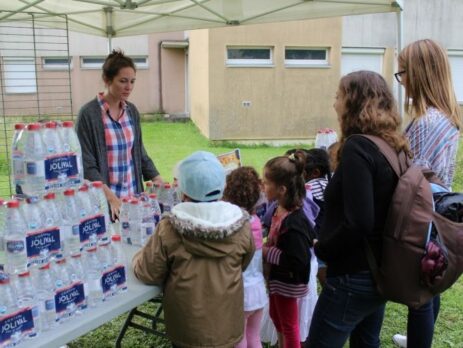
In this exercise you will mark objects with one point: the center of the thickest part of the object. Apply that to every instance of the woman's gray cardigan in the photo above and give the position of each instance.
(90, 130)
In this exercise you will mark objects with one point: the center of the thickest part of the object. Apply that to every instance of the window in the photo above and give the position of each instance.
(306, 57)
(247, 56)
(456, 64)
(92, 62)
(354, 59)
(56, 63)
(19, 74)
(141, 62)
(97, 62)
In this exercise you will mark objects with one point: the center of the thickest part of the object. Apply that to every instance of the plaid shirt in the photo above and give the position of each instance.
(119, 139)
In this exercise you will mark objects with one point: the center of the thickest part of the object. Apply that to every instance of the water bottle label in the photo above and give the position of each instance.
(41, 240)
(20, 321)
(60, 166)
(73, 294)
(92, 225)
(50, 305)
(35, 168)
(15, 246)
(113, 279)
(149, 230)
(157, 217)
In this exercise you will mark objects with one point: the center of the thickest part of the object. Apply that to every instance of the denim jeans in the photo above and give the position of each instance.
(420, 325)
(348, 305)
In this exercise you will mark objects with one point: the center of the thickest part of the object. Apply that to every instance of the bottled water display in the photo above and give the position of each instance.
(71, 146)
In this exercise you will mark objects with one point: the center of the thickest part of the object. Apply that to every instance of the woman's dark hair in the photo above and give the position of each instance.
(288, 171)
(317, 159)
(114, 62)
(243, 188)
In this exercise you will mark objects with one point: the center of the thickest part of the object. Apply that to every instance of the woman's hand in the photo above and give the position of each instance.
(157, 180)
(114, 202)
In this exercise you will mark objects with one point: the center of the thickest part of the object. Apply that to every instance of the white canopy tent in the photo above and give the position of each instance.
(113, 18)
(116, 18)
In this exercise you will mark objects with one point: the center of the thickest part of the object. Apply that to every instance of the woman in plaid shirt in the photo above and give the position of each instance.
(109, 132)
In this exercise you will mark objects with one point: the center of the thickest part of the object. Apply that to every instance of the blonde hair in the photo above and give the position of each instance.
(429, 80)
(370, 108)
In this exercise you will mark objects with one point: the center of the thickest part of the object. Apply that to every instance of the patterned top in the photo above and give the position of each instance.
(317, 187)
(119, 139)
(434, 144)
(273, 258)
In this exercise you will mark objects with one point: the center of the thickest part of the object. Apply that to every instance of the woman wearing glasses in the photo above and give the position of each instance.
(433, 132)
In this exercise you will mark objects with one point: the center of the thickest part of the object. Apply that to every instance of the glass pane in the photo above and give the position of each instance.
(93, 60)
(57, 61)
(248, 53)
(305, 54)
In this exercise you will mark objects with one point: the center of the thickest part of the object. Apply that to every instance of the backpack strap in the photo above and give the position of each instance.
(399, 162)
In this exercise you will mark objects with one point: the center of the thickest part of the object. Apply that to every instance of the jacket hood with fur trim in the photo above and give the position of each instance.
(205, 227)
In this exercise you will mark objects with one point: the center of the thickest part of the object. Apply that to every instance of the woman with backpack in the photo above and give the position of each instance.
(424, 72)
(357, 199)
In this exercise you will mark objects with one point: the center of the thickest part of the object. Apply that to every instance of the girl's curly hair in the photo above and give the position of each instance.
(243, 188)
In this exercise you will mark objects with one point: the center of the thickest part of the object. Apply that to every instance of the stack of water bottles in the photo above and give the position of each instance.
(140, 215)
(45, 157)
(59, 260)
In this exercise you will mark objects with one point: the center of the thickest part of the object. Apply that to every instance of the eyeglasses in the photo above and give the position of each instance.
(398, 76)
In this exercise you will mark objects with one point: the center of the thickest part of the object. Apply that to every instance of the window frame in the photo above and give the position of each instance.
(57, 66)
(16, 89)
(307, 63)
(372, 51)
(249, 63)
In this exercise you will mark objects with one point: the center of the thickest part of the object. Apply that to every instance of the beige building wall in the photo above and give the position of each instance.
(286, 103)
(199, 79)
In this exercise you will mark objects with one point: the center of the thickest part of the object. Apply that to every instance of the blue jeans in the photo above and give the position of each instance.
(420, 325)
(348, 305)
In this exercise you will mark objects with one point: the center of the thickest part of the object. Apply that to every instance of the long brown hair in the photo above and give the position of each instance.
(370, 108)
(288, 171)
(429, 80)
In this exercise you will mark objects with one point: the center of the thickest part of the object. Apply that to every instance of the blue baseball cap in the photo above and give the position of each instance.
(201, 177)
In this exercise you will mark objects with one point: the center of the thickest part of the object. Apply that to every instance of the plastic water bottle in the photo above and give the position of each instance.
(104, 253)
(8, 303)
(176, 194)
(149, 187)
(71, 222)
(71, 144)
(135, 222)
(166, 198)
(26, 298)
(60, 271)
(76, 272)
(155, 208)
(15, 239)
(52, 212)
(84, 201)
(117, 251)
(51, 138)
(45, 290)
(148, 223)
(100, 202)
(34, 161)
(17, 157)
(35, 216)
(124, 219)
(93, 276)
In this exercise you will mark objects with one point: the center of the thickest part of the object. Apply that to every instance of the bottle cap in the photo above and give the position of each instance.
(149, 184)
(50, 125)
(4, 278)
(19, 126)
(134, 201)
(167, 185)
(50, 195)
(125, 199)
(24, 274)
(68, 124)
(68, 192)
(33, 126)
(97, 184)
(83, 188)
(12, 204)
(45, 266)
(153, 196)
(116, 237)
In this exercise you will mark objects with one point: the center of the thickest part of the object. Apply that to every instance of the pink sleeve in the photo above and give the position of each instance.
(256, 228)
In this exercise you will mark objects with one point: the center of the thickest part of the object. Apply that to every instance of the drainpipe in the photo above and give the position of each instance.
(161, 103)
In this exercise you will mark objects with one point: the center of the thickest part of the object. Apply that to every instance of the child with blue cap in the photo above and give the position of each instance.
(197, 254)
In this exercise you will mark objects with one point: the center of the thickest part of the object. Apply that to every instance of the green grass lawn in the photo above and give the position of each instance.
(168, 143)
